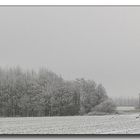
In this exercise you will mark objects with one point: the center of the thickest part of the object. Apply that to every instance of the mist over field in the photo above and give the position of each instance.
(96, 43)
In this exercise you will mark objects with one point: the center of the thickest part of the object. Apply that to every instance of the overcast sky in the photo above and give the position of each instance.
(99, 43)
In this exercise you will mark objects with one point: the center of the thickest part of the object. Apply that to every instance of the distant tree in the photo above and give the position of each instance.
(101, 94)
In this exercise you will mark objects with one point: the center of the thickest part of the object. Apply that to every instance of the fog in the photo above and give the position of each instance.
(101, 43)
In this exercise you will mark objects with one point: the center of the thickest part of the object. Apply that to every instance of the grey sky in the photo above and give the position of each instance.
(99, 43)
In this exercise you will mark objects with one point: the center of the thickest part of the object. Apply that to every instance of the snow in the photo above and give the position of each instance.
(110, 124)
(127, 108)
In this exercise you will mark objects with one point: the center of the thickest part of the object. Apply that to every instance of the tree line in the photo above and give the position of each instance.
(126, 101)
(44, 93)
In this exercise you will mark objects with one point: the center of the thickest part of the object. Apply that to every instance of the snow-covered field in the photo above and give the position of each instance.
(110, 124)
(125, 108)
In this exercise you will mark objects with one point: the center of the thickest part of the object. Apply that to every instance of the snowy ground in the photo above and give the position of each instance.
(110, 124)
(125, 108)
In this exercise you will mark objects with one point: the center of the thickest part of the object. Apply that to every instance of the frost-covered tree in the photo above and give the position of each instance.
(44, 93)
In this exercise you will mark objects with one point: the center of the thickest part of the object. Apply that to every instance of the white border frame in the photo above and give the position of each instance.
(69, 2)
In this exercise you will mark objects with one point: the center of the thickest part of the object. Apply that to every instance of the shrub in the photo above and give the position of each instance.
(106, 106)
